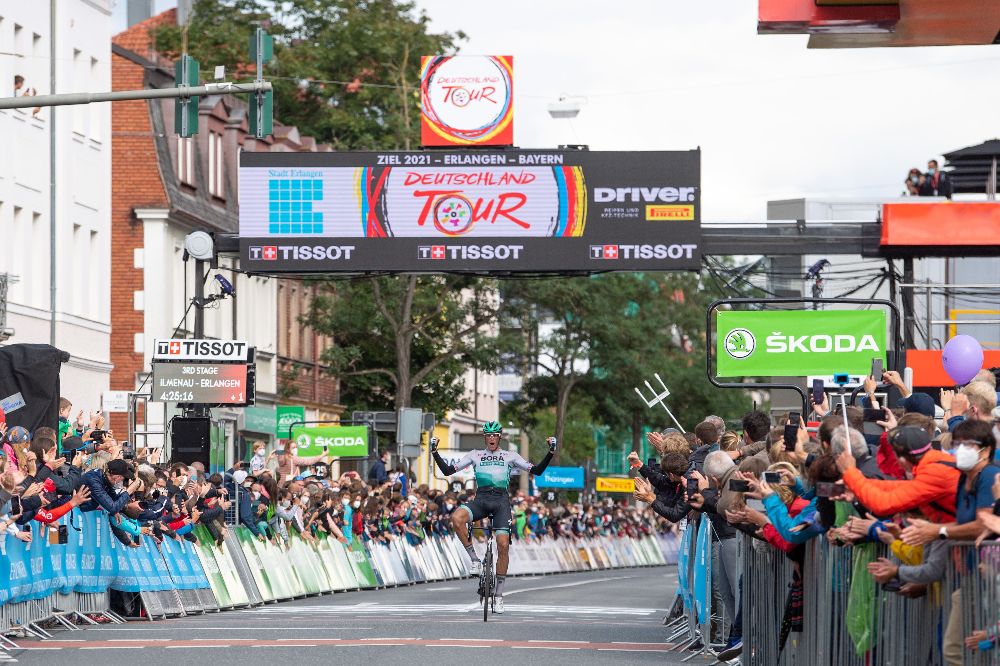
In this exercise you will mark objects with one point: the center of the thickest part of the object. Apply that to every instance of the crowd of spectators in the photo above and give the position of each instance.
(275, 494)
(924, 473)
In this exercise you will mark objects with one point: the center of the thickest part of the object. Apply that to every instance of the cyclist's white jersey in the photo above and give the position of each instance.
(493, 468)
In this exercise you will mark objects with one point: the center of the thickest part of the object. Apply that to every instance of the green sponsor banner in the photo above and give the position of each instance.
(339, 441)
(796, 343)
(287, 415)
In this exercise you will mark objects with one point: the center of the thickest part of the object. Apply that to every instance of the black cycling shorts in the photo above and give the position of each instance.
(493, 504)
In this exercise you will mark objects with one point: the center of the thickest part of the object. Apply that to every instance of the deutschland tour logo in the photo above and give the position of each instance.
(740, 343)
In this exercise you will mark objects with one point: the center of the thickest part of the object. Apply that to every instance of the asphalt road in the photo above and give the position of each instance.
(601, 617)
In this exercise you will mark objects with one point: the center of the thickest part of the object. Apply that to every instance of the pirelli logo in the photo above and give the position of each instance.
(656, 213)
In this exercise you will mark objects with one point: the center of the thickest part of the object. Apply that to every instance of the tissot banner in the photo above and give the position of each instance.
(483, 210)
(797, 343)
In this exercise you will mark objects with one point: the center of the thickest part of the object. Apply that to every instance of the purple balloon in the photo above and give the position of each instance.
(962, 358)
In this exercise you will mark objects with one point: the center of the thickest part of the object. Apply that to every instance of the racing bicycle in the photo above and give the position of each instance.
(487, 581)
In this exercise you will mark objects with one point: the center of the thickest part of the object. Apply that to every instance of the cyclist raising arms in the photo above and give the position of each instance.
(492, 466)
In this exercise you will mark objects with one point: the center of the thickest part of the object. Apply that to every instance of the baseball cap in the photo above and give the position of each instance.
(121, 467)
(912, 439)
(18, 435)
(921, 403)
(239, 476)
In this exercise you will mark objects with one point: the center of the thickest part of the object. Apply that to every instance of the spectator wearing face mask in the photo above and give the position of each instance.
(108, 490)
(932, 487)
(913, 182)
(936, 182)
(259, 461)
(241, 491)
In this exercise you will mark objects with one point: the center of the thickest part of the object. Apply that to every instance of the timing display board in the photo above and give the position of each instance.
(207, 383)
(478, 211)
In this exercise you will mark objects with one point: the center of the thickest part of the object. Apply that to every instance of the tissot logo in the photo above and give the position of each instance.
(301, 252)
(430, 252)
(469, 252)
(265, 252)
(677, 251)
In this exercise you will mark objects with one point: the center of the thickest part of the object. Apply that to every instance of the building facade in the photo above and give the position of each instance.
(55, 193)
(165, 187)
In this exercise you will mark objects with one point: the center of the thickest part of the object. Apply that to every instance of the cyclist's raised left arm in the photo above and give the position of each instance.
(526, 466)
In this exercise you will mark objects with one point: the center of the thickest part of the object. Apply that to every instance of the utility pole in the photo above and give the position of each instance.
(52, 175)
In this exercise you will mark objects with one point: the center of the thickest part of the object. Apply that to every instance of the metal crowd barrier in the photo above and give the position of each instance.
(903, 631)
(177, 579)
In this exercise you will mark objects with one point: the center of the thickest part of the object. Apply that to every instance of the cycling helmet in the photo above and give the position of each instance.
(492, 428)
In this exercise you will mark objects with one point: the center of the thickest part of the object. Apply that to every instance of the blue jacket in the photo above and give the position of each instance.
(101, 496)
(777, 513)
(377, 472)
(242, 495)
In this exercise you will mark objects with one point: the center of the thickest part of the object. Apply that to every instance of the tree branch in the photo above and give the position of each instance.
(380, 304)
(422, 373)
(373, 371)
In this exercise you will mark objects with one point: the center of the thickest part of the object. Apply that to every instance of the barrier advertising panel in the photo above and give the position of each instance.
(467, 100)
(489, 210)
(611, 484)
(799, 342)
(560, 477)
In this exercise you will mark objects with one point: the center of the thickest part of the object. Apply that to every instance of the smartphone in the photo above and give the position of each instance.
(692, 487)
(651, 462)
(818, 391)
(828, 489)
(873, 415)
(877, 369)
(15, 505)
(739, 485)
(772, 477)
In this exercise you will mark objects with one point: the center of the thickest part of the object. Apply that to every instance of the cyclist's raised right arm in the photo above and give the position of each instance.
(447, 468)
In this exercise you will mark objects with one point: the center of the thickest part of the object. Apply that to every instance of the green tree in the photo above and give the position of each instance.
(345, 71)
(408, 340)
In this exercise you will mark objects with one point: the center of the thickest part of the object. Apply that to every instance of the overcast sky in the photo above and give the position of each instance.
(774, 119)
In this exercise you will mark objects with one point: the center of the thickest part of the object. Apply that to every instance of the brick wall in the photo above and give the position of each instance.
(135, 183)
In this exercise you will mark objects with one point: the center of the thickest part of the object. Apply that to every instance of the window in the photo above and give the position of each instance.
(80, 110)
(185, 160)
(216, 165)
(96, 84)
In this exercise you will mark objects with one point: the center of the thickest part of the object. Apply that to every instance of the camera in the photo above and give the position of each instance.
(155, 494)
(739, 485)
(873, 415)
(792, 431)
(772, 477)
(227, 287)
(828, 489)
(58, 536)
(692, 486)
(98, 436)
(128, 450)
(15, 505)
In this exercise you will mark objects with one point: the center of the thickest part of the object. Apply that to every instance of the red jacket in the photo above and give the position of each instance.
(933, 489)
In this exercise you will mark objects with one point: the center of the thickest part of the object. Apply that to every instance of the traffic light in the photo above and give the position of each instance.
(186, 108)
(261, 103)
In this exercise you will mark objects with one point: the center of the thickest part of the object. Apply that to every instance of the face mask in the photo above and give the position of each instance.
(345, 502)
(966, 457)
(931, 170)
(357, 505)
(913, 179)
(120, 486)
(256, 496)
(280, 452)
(285, 504)
(247, 485)
(304, 501)
(335, 489)
(259, 452)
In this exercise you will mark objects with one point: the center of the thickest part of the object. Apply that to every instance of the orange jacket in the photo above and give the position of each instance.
(932, 489)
